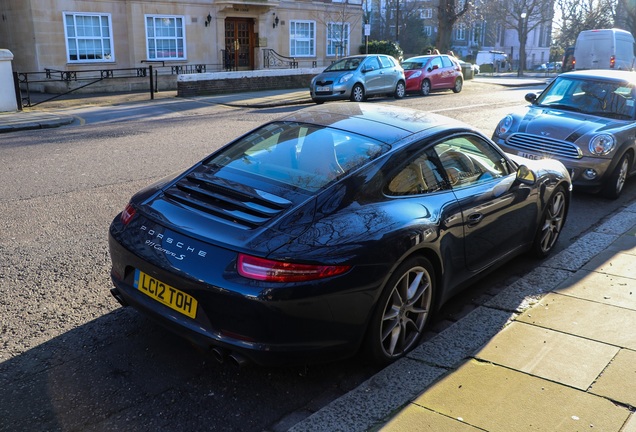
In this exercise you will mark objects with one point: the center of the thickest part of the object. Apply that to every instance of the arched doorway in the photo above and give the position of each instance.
(239, 43)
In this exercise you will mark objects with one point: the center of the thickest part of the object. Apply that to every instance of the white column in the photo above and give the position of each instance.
(7, 88)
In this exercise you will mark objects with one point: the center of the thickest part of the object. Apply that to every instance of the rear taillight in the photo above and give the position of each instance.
(279, 271)
(127, 214)
(612, 62)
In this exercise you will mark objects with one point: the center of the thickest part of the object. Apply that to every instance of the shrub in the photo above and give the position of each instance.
(383, 47)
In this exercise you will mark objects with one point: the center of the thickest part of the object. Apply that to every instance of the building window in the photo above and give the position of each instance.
(337, 39)
(460, 32)
(88, 38)
(302, 38)
(426, 13)
(428, 30)
(165, 38)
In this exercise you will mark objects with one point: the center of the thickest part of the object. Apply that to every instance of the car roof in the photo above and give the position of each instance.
(604, 74)
(386, 123)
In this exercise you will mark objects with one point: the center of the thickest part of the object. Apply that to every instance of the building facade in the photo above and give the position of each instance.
(76, 35)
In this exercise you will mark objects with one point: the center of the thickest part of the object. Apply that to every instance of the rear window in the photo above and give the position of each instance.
(298, 155)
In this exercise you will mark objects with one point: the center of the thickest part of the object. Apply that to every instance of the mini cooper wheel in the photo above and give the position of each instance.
(400, 90)
(402, 311)
(425, 87)
(615, 183)
(459, 84)
(357, 93)
(551, 224)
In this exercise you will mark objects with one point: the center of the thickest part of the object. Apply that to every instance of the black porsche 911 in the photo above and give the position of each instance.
(336, 228)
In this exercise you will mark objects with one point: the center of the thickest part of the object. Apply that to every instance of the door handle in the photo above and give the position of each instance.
(475, 219)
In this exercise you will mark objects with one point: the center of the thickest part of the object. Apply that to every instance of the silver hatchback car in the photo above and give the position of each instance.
(358, 77)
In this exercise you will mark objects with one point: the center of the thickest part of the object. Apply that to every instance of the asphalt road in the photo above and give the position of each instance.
(71, 359)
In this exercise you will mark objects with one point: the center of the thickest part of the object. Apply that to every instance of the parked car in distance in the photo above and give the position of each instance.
(585, 119)
(358, 77)
(336, 228)
(433, 72)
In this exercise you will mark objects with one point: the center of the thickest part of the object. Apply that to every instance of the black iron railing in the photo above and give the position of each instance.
(271, 60)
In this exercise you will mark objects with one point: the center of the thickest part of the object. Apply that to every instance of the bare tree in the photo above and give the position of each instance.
(448, 13)
(524, 16)
(578, 15)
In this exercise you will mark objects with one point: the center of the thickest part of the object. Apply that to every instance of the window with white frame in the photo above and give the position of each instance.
(460, 32)
(428, 30)
(302, 38)
(88, 37)
(426, 13)
(337, 39)
(165, 37)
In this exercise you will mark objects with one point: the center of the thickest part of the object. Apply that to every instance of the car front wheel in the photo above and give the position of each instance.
(357, 93)
(614, 185)
(400, 90)
(551, 224)
(402, 312)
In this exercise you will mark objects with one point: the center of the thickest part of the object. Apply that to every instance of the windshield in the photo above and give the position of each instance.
(410, 65)
(297, 154)
(345, 64)
(612, 99)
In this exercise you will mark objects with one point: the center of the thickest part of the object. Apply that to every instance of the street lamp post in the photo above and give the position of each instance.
(522, 42)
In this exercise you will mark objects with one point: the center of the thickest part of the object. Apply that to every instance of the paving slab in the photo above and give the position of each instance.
(596, 321)
(545, 353)
(618, 382)
(498, 399)
(610, 262)
(416, 418)
(601, 288)
(630, 426)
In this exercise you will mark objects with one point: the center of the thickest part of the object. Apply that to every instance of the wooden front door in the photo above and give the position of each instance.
(239, 43)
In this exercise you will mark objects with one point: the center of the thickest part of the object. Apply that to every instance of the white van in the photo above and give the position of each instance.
(604, 49)
(491, 57)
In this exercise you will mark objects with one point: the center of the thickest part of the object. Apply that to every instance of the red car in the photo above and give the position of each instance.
(433, 72)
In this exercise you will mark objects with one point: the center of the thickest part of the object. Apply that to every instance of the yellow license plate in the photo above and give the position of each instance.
(166, 294)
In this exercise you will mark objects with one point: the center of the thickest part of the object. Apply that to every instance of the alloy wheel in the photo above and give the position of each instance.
(406, 311)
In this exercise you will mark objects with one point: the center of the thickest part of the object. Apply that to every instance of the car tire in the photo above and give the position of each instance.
(402, 312)
(425, 87)
(551, 223)
(459, 84)
(400, 90)
(357, 93)
(616, 182)
(318, 101)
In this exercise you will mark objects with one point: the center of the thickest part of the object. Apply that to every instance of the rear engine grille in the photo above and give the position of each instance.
(544, 145)
(246, 207)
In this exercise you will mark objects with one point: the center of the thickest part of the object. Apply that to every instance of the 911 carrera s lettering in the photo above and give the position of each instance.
(170, 241)
(166, 294)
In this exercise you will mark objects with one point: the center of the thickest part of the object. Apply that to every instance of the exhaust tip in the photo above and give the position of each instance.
(219, 354)
(238, 359)
(120, 299)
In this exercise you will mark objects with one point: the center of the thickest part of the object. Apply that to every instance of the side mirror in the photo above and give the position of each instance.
(526, 176)
(531, 97)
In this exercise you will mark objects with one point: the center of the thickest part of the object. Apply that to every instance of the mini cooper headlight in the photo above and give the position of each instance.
(504, 125)
(602, 144)
(345, 78)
